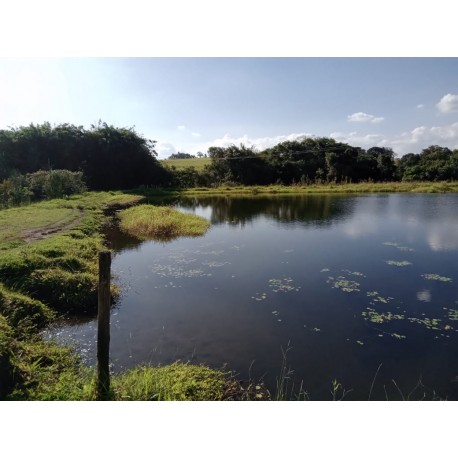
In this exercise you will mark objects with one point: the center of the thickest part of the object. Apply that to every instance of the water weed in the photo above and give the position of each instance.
(399, 263)
(436, 277)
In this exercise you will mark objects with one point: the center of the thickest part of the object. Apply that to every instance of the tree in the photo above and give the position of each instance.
(181, 156)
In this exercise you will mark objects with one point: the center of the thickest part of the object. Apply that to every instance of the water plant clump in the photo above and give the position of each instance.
(259, 297)
(178, 272)
(453, 315)
(378, 317)
(429, 323)
(405, 248)
(378, 298)
(398, 263)
(161, 223)
(342, 283)
(283, 285)
(398, 246)
(356, 274)
(436, 277)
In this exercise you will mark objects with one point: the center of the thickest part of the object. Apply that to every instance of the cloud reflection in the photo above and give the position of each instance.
(424, 295)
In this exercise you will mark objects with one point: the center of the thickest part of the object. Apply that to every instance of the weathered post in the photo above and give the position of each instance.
(103, 327)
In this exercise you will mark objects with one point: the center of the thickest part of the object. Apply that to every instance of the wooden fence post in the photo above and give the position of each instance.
(103, 327)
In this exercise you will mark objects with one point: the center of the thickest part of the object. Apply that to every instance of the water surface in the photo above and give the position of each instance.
(350, 284)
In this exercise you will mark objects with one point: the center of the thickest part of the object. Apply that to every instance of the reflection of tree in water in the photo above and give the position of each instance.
(316, 209)
(118, 240)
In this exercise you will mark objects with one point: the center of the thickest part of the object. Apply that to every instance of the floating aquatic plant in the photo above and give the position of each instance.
(215, 264)
(325, 270)
(178, 272)
(429, 323)
(404, 248)
(378, 298)
(360, 342)
(344, 284)
(397, 336)
(378, 317)
(453, 315)
(383, 300)
(356, 274)
(398, 246)
(436, 277)
(398, 263)
(283, 285)
(259, 296)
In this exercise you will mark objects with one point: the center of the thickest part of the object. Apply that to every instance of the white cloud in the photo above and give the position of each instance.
(448, 103)
(195, 134)
(420, 105)
(181, 127)
(421, 137)
(408, 142)
(259, 144)
(164, 149)
(364, 117)
(363, 141)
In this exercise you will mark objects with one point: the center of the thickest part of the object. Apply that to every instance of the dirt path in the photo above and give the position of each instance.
(43, 232)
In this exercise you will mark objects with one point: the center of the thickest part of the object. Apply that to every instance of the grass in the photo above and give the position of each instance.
(50, 274)
(51, 372)
(161, 223)
(174, 382)
(44, 274)
(181, 164)
(330, 188)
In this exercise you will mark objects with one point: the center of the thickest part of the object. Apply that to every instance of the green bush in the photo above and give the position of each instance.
(53, 184)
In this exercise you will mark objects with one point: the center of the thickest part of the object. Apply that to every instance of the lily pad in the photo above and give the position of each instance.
(379, 317)
(429, 323)
(283, 285)
(398, 263)
(436, 277)
(342, 283)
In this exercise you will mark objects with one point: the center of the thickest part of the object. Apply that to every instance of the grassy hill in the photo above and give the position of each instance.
(180, 164)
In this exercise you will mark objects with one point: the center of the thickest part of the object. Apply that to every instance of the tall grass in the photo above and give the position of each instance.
(328, 188)
(161, 223)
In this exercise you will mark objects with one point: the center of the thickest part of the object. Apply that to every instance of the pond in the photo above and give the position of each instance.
(357, 289)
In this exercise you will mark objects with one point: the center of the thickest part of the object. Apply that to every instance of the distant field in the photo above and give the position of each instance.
(180, 164)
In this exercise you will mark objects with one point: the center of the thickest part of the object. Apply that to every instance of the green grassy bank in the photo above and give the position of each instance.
(183, 164)
(344, 188)
(48, 269)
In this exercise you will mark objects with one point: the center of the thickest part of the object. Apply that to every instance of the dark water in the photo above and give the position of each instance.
(308, 273)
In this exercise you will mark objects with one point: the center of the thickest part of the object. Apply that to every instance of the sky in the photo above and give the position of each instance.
(189, 104)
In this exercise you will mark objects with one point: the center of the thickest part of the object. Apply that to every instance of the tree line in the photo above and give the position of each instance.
(110, 158)
(319, 160)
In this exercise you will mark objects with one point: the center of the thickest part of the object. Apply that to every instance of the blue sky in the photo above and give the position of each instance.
(189, 104)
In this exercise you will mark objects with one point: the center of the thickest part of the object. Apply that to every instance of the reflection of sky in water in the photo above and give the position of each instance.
(424, 295)
(443, 236)
(435, 220)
